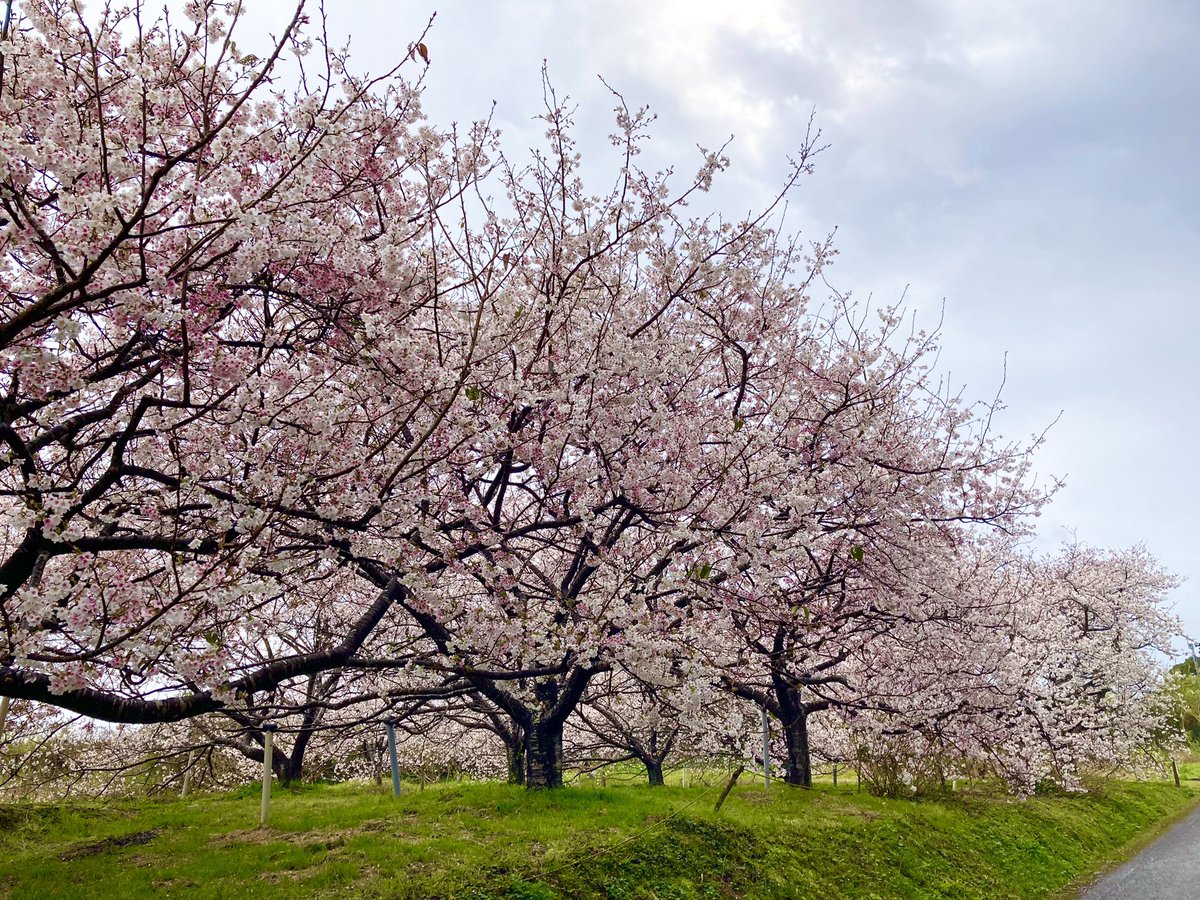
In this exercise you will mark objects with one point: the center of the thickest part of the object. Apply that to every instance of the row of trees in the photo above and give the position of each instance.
(656, 725)
(313, 412)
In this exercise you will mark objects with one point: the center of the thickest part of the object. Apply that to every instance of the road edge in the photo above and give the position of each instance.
(1127, 851)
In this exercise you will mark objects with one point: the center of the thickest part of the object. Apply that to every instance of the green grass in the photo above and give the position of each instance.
(619, 842)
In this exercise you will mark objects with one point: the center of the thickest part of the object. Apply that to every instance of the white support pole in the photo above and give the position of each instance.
(187, 774)
(766, 748)
(268, 733)
(3, 715)
(391, 734)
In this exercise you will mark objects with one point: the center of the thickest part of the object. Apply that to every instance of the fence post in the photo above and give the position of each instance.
(766, 747)
(391, 736)
(268, 733)
(1175, 771)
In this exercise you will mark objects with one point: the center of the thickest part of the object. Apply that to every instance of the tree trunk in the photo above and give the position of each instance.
(538, 728)
(795, 734)
(514, 750)
(654, 771)
(288, 772)
(294, 765)
(291, 768)
(544, 754)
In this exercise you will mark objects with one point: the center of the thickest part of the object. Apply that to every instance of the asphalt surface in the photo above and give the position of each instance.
(1169, 869)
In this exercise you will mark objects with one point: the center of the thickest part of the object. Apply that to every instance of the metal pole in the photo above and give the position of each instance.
(268, 732)
(391, 733)
(187, 774)
(766, 747)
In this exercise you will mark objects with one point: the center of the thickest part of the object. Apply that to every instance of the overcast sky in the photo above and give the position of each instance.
(1030, 167)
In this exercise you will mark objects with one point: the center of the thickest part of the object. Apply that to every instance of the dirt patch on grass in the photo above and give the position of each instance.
(391, 822)
(309, 840)
(93, 848)
(287, 876)
(246, 836)
(755, 798)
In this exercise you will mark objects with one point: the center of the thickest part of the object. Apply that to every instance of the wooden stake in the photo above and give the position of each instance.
(728, 787)
(1175, 771)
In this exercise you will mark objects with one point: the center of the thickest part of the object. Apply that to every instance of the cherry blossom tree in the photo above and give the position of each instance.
(608, 406)
(313, 412)
(880, 476)
(680, 717)
(1052, 670)
(190, 254)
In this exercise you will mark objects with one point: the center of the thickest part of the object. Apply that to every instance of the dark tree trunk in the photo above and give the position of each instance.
(537, 729)
(654, 771)
(289, 770)
(544, 754)
(506, 726)
(514, 750)
(799, 759)
(289, 767)
(793, 716)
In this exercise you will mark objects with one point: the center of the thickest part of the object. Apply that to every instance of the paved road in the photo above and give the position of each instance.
(1169, 869)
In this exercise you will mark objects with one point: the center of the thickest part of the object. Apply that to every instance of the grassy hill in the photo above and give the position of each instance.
(496, 841)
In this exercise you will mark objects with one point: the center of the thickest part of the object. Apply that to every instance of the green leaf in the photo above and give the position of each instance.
(856, 553)
(474, 394)
(738, 424)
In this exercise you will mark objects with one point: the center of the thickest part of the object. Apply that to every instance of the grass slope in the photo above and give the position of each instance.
(496, 841)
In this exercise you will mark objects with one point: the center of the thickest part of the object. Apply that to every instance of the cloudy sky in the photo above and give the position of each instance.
(1028, 167)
